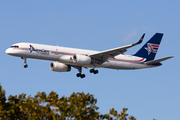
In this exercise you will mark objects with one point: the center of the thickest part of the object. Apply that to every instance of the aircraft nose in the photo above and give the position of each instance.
(8, 51)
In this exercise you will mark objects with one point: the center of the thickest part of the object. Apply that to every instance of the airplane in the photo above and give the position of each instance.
(65, 58)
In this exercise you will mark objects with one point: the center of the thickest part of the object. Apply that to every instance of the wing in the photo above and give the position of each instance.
(101, 57)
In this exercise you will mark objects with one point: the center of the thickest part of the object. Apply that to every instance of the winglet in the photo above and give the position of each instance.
(141, 39)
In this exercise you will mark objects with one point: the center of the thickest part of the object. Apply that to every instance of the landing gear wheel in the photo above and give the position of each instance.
(96, 72)
(25, 66)
(91, 70)
(78, 74)
(83, 76)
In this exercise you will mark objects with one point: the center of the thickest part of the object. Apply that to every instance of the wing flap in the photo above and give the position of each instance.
(158, 60)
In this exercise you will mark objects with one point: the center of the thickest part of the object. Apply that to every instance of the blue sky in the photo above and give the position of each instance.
(96, 25)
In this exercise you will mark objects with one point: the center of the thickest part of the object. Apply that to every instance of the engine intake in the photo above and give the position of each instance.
(81, 59)
(60, 67)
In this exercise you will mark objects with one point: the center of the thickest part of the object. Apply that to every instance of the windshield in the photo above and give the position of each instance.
(14, 46)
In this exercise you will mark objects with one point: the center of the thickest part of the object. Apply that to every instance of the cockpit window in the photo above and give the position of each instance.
(14, 46)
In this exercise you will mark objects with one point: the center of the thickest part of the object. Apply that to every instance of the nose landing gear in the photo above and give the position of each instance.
(25, 62)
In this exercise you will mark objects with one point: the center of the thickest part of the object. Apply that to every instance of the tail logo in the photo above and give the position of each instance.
(151, 48)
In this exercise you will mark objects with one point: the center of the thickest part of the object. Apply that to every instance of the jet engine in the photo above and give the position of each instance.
(81, 59)
(60, 67)
(66, 59)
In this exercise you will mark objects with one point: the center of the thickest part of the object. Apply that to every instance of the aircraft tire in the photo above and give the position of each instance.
(83, 76)
(96, 72)
(91, 71)
(25, 66)
(78, 74)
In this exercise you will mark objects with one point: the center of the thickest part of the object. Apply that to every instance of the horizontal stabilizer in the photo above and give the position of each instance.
(158, 60)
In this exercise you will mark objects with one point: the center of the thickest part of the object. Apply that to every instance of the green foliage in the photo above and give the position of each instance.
(79, 106)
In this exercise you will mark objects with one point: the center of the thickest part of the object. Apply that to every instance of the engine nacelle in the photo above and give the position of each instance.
(60, 67)
(66, 59)
(81, 59)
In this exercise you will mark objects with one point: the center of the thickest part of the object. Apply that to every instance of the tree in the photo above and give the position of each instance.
(79, 106)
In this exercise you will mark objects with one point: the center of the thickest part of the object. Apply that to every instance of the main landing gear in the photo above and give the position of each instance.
(80, 75)
(93, 71)
(25, 62)
(80, 72)
(83, 75)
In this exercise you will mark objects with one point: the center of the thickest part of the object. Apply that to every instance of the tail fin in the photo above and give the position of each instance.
(150, 49)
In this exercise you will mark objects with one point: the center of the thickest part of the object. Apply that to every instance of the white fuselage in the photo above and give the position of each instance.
(55, 53)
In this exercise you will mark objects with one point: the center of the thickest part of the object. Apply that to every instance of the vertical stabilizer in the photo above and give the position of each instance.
(150, 49)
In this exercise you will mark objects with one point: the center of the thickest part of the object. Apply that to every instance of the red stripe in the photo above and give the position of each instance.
(153, 45)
